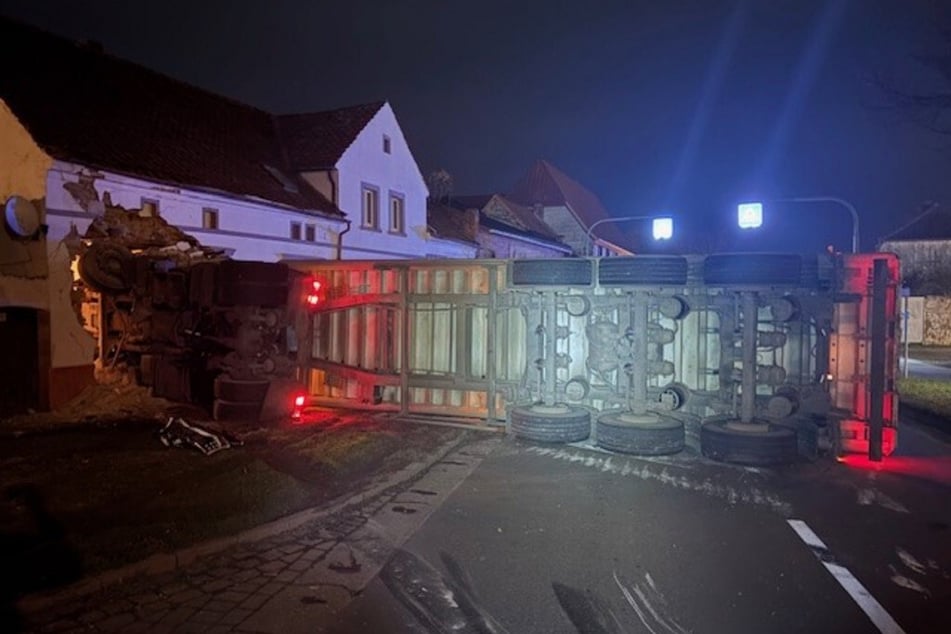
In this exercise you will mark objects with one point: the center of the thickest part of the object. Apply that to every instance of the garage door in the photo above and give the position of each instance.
(19, 363)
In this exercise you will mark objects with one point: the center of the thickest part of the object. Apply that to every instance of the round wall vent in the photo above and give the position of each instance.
(21, 216)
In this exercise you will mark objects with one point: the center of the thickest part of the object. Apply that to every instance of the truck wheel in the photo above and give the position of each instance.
(653, 436)
(561, 272)
(107, 268)
(236, 412)
(240, 391)
(561, 423)
(752, 269)
(652, 270)
(730, 441)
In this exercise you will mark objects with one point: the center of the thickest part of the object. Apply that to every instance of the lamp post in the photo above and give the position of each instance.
(662, 228)
(749, 215)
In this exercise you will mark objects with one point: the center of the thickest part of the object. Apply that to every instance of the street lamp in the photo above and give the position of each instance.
(750, 215)
(662, 227)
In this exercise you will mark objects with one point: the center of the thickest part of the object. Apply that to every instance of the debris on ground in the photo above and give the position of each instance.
(107, 401)
(179, 433)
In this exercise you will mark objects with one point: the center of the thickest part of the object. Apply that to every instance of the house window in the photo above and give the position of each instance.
(386, 144)
(310, 233)
(397, 214)
(371, 207)
(149, 209)
(295, 231)
(209, 218)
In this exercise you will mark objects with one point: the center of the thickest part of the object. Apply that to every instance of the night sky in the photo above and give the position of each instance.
(680, 106)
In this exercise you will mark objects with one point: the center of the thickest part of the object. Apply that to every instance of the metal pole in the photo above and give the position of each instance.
(589, 246)
(639, 371)
(876, 388)
(904, 315)
(839, 201)
(748, 380)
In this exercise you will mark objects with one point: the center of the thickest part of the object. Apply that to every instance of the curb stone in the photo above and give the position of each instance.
(169, 562)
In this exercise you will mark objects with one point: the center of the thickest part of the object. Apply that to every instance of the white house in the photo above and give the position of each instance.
(358, 158)
(84, 132)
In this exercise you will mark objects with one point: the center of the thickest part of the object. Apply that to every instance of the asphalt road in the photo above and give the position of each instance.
(548, 539)
(924, 370)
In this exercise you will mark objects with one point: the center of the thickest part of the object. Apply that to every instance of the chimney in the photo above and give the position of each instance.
(472, 223)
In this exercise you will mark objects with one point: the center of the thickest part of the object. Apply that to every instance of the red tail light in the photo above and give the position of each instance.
(298, 411)
(313, 293)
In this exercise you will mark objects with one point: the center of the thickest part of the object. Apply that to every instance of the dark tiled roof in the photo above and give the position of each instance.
(317, 140)
(450, 223)
(547, 185)
(83, 106)
(933, 224)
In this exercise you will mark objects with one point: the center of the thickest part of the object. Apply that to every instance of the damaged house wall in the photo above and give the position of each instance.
(246, 229)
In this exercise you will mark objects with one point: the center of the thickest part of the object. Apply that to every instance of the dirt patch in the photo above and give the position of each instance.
(81, 499)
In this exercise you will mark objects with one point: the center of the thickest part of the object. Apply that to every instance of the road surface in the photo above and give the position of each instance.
(509, 537)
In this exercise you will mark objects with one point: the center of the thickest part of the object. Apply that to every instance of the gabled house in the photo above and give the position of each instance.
(507, 229)
(87, 135)
(358, 158)
(570, 210)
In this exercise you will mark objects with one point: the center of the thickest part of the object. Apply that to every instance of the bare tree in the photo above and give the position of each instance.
(440, 185)
(926, 101)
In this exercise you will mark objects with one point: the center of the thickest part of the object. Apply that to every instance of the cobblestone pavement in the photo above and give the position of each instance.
(295, 581)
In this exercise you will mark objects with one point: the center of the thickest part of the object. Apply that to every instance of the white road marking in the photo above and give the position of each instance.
(872, 608)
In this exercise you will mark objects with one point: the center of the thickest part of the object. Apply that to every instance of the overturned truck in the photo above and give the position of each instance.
(758, 358)
(761, 358)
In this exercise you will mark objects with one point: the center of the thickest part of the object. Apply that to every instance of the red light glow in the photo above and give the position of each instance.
(299, 401)
(313, 297)
(933, 468)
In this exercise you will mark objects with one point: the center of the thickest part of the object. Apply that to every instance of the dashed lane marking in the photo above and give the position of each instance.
(872, 608)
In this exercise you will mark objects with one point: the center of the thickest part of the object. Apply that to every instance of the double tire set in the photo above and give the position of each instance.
(567, 424)
(721, 438)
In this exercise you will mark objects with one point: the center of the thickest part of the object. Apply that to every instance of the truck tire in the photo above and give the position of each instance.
(777, 445)
(240, 391)
(753, 269)
(666, 436)
(236, 412)
(107, 268)
(560, 424)
(560, 272)
(647, 270)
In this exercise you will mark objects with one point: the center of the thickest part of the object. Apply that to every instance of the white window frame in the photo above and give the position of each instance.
(310, 233)
(387, 144)
(295, 231)
(397, 222)
(370, 207)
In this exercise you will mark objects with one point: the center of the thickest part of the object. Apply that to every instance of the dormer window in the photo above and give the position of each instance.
(386, 144)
